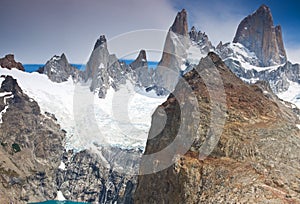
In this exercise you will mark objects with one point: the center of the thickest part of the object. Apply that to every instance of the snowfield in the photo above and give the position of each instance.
(244, 56)
(122, 119)
(292, 94)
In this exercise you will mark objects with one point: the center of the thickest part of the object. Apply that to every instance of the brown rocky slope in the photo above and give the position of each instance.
(256, 159)
(30, 150)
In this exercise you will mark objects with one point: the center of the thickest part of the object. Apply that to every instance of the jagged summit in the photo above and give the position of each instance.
(140, 61)
(104, 69)
(140, 66)
(201, 39)
(264, 8)
(174, 53)
(258, 33)
(58, 69)
(101, 42)
(180, 25)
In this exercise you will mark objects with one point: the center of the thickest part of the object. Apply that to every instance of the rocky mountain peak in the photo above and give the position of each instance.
(140, 61)
(101, 42)
(220, 45)
(264, 9)
(180, 25)
(9, 62)
(142, 56)
(140, 67)
(201, 39)
(258, 33)
(104, 70)
(175, 51)
(63, 57)
(58, 69)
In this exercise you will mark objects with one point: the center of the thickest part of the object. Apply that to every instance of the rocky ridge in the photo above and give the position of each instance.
(257, 147)
(94, 177)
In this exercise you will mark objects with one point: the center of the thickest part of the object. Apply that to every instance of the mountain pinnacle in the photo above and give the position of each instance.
(258, 33)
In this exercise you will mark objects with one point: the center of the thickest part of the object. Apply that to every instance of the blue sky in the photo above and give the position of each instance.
(36, 30)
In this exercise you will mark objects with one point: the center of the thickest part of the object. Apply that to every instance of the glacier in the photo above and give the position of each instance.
(122, 119)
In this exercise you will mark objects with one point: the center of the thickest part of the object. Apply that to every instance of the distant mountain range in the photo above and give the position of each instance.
(34, 67)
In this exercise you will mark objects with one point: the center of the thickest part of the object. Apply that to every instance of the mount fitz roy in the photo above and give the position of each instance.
(258, 34)
(257, 53)
(46, 153)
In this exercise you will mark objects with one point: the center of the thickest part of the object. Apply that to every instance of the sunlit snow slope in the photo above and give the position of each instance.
(122, 119)
(292, 94)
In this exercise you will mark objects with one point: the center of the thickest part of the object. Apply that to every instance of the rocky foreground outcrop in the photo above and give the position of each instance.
(255, 160)
(9, 62)
(31, 147)
(258, 33)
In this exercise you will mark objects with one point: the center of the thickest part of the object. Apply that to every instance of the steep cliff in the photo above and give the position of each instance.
(174, 53)
(258, 33)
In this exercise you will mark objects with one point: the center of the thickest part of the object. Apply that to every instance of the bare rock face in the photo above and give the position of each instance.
(176, 44)
(255, 159)
(92, 177)
(140, 61)
(258, 33)
(180, 25)
(201, 39)
(140, 67)
(30, 150)
(104, 70)
(9, 62)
